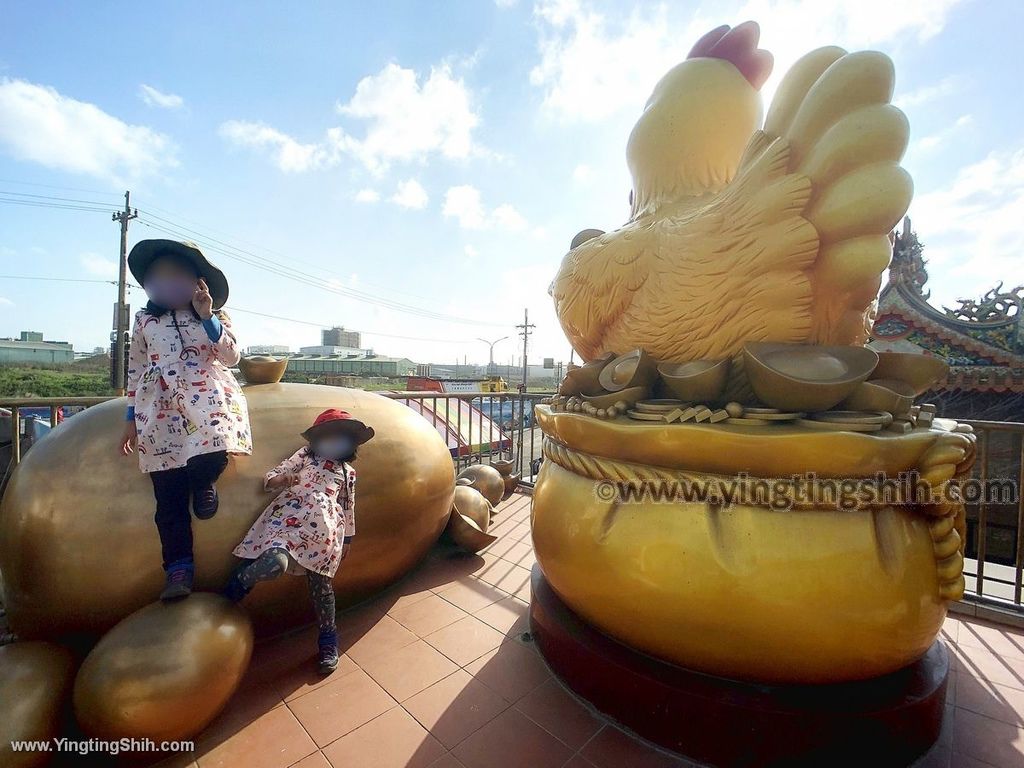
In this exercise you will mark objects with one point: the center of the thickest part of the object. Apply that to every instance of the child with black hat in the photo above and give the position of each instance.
(186, 412)
(309, 526)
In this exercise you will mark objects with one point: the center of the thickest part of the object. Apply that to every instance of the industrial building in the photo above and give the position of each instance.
(30, 348)
(355, 364)
(339, 337)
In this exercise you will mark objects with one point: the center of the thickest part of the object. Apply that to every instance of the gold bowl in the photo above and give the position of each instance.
(805, 377)
(584, 380)
(890, 395)
(261, 369)
(634, 369)
(699, 381)
(919, 371)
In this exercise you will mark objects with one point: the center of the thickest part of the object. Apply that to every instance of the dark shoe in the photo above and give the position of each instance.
(235, 590)
(179, 580)
(328, 660)
(205, 502)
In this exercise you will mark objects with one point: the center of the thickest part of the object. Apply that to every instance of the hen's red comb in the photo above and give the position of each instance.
(737, 45)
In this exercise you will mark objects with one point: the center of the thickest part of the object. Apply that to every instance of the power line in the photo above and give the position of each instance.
(58, 279)
(53, 186)
(52, 197)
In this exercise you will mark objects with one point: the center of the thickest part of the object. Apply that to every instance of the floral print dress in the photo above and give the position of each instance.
(186, 400)
(311, 519)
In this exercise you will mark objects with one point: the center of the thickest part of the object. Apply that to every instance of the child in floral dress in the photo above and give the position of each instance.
(309, 526)
(186, 411)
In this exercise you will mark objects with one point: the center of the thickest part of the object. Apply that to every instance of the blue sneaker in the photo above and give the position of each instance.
(179, 580)
(235, 591)
(328, 642)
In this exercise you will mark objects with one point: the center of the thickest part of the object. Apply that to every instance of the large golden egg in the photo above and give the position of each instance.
(34, 682)
(80, 550)
(164, 672)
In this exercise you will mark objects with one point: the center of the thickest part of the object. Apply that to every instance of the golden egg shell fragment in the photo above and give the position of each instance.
(35, 679)
(699, 381)
(75, 505)
(634, 369)
(165, 671)
(470, 519)
(485, 479)
(805, 377)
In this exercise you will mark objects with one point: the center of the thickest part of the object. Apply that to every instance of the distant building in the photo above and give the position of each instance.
(31, 348)
(268, 349)
(334, 350)
(356, 364)
(339, 337)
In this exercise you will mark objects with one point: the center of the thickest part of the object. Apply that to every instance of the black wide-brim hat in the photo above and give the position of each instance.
(337, 420)
(146, 252)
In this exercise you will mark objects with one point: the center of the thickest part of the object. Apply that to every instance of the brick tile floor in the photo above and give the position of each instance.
(437, 674)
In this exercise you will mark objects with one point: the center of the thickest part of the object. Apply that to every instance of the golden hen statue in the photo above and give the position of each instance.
(743, 233)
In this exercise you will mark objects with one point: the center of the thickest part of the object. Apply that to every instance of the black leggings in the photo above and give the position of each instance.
(272, 563)
(171, 488)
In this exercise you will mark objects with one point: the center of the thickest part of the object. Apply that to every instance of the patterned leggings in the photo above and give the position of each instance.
(272, 563)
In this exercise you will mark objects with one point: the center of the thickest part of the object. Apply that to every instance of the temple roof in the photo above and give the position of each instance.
(982, 340)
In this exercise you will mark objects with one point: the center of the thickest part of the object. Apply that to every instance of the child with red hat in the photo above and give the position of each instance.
(309, 526)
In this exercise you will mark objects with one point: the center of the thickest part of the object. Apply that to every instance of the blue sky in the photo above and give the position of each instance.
(436, 155)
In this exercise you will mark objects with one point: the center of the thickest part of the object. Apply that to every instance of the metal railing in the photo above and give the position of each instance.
(994, 549)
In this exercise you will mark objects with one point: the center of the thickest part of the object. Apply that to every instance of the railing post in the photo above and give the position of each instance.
(984, 438)
(53, 415)
(15, 436)
(1019, 575)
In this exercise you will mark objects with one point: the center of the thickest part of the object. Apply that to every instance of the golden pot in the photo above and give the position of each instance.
(164, 672)
(35, 679)
(814, 595)
(80, 550)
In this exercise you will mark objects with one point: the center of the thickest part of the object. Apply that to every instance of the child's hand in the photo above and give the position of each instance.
(129, 437)
(202, 301)
(285, 480)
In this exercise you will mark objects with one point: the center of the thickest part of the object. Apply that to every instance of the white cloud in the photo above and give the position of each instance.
(97, 265)
(5, 302)
(409, 118)
(40, 125)
(288, 154)
(927, 143)
(154, 98)
(591, 67)
(582, 172)
(471, 252)
(928, 93)
(367, 196)
(410, 194)
(465, 204)
(974, 222)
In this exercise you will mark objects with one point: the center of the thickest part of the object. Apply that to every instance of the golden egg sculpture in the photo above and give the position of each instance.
(165, 671)
(35, 679)
(80, 550)
(485, 479)
(810, 593)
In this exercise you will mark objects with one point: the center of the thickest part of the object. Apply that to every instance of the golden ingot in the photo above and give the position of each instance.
(75, 506)
(504, 466)
(609, 399)
(805, 377)
(880, 395)
(634, 369)
(262, 369)
(699, 381)
(584, 380)
(35, 679)
(165, 671)
(487, 480)
(918, 371)
(512, 481)
(815, 595)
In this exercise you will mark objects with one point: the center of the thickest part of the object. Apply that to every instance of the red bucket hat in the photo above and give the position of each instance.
(335, 419)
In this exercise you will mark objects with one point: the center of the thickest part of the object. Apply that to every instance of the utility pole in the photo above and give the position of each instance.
(525, 329)
(121, 309)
